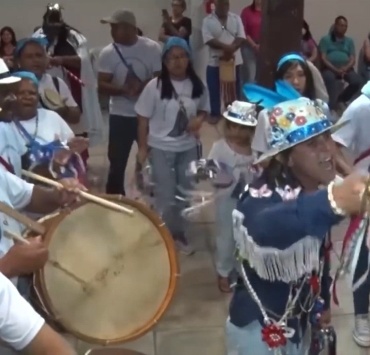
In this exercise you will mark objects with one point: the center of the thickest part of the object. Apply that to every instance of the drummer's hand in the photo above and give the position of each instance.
(348, 194)
(24, 259)
(325, 319)
(78, 144)
(70, 192)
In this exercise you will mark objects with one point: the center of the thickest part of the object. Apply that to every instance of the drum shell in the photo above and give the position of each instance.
(44, 304)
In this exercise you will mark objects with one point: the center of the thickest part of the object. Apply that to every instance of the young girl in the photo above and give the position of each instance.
(171, 110)
(235, 151)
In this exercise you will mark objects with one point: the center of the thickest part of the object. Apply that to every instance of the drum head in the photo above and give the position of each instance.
(110, 276)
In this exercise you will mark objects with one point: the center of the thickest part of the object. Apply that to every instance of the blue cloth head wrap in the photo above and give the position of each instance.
(27, 75)
(41, 41)
(176, 42)
(288, 57)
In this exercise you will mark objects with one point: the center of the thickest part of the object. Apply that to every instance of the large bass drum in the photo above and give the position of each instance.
(110, 276)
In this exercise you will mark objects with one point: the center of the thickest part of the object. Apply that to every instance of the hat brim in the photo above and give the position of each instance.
(107, 20)
(10, 80)
(242, 123)
(273, 152)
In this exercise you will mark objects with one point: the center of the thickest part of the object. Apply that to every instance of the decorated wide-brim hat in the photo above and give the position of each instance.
(293, 122)
(243, 113)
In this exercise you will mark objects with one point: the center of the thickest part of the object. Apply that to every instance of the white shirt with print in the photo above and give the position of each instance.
(45, 128)
(17, 194)
(19, 322)
(162, 114)
(213, 29)
(144, 56)
(65, 93)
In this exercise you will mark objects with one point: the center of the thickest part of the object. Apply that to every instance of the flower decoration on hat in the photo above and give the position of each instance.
(243, 113)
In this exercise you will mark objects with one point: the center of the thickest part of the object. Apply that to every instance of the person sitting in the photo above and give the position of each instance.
(8, 42)
(176, 25)
(23, 329)
(366, 58)
(338, 58)
(308, 44)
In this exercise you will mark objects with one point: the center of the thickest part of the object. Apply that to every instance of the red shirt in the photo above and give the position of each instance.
(252, 22)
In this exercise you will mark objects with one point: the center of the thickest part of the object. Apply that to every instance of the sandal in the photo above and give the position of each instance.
(224, 284)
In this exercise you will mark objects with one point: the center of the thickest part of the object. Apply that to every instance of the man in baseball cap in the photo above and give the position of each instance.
(121, 16)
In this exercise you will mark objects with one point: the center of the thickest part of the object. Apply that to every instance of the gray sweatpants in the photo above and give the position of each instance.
(169, 177)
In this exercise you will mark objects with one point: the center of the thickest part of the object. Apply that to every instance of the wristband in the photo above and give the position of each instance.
(337, 210)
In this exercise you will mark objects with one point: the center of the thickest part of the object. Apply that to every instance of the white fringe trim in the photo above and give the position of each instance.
(273, 264)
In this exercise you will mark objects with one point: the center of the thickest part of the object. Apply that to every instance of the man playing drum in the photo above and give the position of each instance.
(18, 260)
(23, 329)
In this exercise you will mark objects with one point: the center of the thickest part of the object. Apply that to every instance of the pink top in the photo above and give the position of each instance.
(252, 23)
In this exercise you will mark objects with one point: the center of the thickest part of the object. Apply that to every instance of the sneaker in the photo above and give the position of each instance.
(361, 332)
(183, 246)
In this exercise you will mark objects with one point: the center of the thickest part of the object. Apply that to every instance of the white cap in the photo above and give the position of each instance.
(5, 76)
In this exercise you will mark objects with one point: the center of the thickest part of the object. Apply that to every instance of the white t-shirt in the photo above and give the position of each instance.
(17, 194)
(162, 114)
(213, 29)
(355, 135)
(11, 148)
(240, 164)
(49, 127)
(144, 57)
(19, 322)
(46, 82)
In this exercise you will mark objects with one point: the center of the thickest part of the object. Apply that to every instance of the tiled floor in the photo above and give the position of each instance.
(194, 322)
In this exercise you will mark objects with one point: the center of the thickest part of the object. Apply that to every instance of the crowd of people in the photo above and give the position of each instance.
(282, 149)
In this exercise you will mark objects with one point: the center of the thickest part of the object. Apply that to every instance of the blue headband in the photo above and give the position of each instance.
(176, 42)
(27, 75)
(289, 57)
(23, 42)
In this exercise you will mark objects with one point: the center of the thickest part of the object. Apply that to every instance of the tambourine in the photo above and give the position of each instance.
(219, 174)
(52, 99)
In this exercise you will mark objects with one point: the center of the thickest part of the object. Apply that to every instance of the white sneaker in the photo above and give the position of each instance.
(184, 247)
(361, 332)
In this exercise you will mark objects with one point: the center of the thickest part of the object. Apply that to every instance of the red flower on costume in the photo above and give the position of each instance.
(272, 120)
(315, 284)
(277, 111)
(300, 120)
(273, 336)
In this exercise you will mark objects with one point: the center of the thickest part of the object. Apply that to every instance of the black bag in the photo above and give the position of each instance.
(182, 120)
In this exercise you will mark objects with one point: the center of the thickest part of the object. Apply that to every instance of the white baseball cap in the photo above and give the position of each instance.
(5, 75)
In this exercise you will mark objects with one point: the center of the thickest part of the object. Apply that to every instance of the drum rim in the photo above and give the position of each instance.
(39, 278)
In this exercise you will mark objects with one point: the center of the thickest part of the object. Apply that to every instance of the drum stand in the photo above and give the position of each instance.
(112, 351)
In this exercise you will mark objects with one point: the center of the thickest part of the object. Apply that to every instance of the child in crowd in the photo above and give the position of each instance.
(235, 151)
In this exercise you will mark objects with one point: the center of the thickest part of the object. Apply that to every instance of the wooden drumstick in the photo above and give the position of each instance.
(83, 194)
(15, 237)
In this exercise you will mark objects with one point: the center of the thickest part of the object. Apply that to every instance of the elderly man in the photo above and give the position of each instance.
(125, 67)
(223, 33)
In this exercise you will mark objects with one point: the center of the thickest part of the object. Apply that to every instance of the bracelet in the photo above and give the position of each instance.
(337, 210)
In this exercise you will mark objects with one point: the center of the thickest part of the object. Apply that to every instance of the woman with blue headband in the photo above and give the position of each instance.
(280, 226)
(171, 110)
(295, 70)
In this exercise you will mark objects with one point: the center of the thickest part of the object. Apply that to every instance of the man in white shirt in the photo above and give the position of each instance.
(125, 67)
(223, 33)
(22, 329)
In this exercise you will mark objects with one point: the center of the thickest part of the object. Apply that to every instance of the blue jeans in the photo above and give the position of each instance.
(213, 83)
(169, 177)
(225, 244)
(362, 294)
(249, 66)
(248, 341)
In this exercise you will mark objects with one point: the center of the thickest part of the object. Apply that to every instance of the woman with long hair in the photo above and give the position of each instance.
(281, 225)
(308, 44)
(8, 41)
(171, 110)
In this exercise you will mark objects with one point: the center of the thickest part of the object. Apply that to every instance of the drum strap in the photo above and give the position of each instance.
(19, 217)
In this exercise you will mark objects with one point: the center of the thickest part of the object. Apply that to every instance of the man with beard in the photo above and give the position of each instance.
(70, 60)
